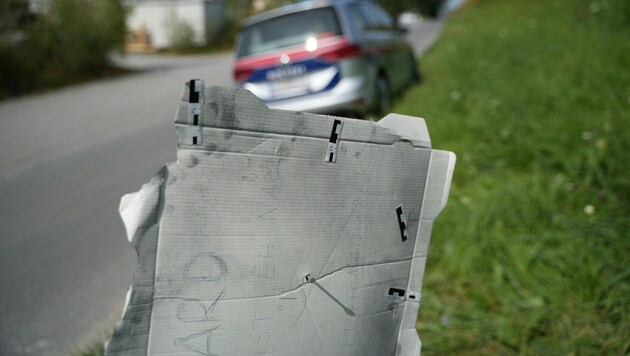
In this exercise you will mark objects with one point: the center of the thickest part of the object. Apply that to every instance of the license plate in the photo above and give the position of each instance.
(289, 80)
(290, 83)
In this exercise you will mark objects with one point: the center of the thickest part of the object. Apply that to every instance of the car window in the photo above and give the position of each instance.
(382, 17)
(288, 30)
(370, 17)
(357, 17)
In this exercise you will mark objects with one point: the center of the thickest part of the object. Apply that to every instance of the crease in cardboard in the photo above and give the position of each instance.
(300, 285)
(263, 134)
(346, 310)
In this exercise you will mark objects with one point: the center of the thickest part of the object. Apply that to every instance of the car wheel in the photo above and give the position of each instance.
(415, 73)
(383, 96)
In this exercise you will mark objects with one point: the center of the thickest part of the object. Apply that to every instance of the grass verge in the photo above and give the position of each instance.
(96, 349)
(532, 254)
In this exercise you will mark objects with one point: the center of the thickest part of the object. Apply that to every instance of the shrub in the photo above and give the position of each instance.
(181, 34)
(71, 41)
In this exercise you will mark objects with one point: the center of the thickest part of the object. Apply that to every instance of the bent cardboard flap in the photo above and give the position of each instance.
(282, 233)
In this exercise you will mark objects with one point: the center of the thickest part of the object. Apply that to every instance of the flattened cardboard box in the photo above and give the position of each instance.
(282, 233)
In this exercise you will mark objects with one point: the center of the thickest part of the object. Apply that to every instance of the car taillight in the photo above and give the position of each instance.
(241, 74)
(344, 51)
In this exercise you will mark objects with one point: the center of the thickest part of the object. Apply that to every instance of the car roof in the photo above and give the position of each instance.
(293, 8)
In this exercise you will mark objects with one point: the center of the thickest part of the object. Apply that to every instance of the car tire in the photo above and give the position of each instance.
(415, 70)
(383, 102)
(416, 77)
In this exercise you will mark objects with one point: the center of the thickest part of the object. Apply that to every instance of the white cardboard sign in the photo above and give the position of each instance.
(279, 233)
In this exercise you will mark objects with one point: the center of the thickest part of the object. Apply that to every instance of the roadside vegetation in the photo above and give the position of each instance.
(532, 253)
(67, 41)
(96, 349)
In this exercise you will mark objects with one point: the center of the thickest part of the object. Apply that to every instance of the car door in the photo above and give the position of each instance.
(387, 44)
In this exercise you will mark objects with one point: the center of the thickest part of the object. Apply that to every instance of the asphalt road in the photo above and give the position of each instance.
(66, 158)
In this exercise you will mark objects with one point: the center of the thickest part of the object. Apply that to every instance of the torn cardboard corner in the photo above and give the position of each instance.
(282, 233)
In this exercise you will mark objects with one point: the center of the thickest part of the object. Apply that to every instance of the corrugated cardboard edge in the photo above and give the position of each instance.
(223, 108)
(438, 185)
(140, 213)
(413, 129)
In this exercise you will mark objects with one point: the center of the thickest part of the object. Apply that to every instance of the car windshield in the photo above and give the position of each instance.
(288, 30)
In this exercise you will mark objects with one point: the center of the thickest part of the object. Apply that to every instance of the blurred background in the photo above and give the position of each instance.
(531, 256)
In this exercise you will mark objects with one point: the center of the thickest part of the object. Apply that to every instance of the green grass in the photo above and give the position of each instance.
(96, 349)
(532, 253)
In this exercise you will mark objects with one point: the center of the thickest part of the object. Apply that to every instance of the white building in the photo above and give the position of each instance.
(158, 17)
